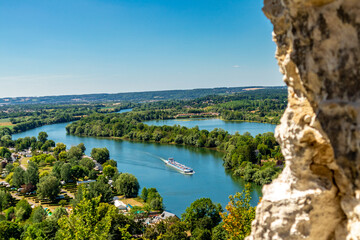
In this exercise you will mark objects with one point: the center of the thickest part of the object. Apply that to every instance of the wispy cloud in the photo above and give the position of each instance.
(236, 66)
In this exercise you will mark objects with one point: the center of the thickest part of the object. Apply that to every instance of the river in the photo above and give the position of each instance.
(144, 161)
(209, 124)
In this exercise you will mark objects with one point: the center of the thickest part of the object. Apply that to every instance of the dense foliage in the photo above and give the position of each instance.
(24, 117)
(152, 197)
(52, 167)
(127, 184)
(254, 159)
(262, 105)
(237, 220)
(93, 216)
(130, 97)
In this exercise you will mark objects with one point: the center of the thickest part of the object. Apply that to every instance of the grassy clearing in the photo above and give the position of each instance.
(45, 169)
(5, 122)
(24, 162)
(133, 201)
(9, 126)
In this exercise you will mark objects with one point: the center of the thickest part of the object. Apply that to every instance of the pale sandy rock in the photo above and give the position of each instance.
(318, 194)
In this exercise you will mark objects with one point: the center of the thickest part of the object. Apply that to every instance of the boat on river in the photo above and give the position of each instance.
(178, 166)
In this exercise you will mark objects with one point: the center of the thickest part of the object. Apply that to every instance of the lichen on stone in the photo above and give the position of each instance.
(317, 196)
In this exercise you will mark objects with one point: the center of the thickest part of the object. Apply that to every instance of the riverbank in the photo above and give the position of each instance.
(256, 159)
(143, 160)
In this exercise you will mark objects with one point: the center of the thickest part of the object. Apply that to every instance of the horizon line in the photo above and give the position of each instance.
(165, 90)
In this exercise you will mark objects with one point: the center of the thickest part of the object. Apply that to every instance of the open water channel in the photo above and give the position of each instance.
(144, 161)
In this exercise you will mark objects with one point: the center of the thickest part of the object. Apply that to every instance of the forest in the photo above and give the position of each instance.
(52, 171)
(127, 97)
(262, 105)
(256, 159)
(25, 117)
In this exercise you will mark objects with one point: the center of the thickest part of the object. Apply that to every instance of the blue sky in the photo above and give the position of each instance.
(56, 47)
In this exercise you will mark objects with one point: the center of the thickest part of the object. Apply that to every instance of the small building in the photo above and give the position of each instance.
(98, 166)
(164, 215)
(87, 181)
(120, 205)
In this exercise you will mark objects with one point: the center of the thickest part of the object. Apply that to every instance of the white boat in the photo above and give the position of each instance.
(178, 166)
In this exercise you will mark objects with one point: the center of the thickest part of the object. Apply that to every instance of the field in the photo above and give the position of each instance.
(5, 122)
(132, 201)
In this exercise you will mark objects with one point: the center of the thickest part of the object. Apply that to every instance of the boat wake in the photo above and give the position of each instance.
(175, 165)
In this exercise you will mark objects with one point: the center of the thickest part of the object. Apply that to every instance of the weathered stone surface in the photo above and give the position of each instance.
(318, 194)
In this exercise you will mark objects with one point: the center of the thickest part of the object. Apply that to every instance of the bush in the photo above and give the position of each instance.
(23, 210)
(127, 184)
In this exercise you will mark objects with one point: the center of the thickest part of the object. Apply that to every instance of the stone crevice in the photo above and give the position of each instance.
(317, 196)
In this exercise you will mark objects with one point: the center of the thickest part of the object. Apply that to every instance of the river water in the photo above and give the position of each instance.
(144, 161)
(209, 124)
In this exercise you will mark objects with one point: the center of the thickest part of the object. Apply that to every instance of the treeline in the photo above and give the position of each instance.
(240, 150)
(130, 96)
(262, 105)
(26, 117)
(94, 216)
(94, 199)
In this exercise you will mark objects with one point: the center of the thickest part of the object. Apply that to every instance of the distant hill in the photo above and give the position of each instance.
(131, 96)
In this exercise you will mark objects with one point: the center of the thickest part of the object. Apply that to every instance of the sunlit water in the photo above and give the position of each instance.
(209, 124)
(144, 161)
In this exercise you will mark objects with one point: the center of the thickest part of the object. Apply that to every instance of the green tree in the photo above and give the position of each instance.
(157, 203)
(48, 187)
(22, 210)
(144, 194)
(82, 147)
(19, 177)
(38, 215)
(42, 137)
(5, 200)
(109, 171)
(237, 221)
(10, 214)
(101, 155)
(59, 212)
(110, 162)
(202, 213)
(88, 163)
(75, 153)
(99, 188)
(60, 147)
(5, 153)
(10, 230)
(78, 171)
(66, 174)
(176, 231)
(219, 233)
(201, 234)
(32, 174)
(89, 220)
(56, 170)
(9, 167)
(34, 231)
(127, 184)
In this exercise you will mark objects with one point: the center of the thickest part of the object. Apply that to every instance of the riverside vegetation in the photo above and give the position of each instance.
(253, 158)
(262, 105)
(93, 215)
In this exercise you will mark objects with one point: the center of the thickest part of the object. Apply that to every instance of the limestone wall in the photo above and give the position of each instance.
(318, 194)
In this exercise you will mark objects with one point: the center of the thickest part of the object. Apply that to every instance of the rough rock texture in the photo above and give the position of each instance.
(318, 194)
